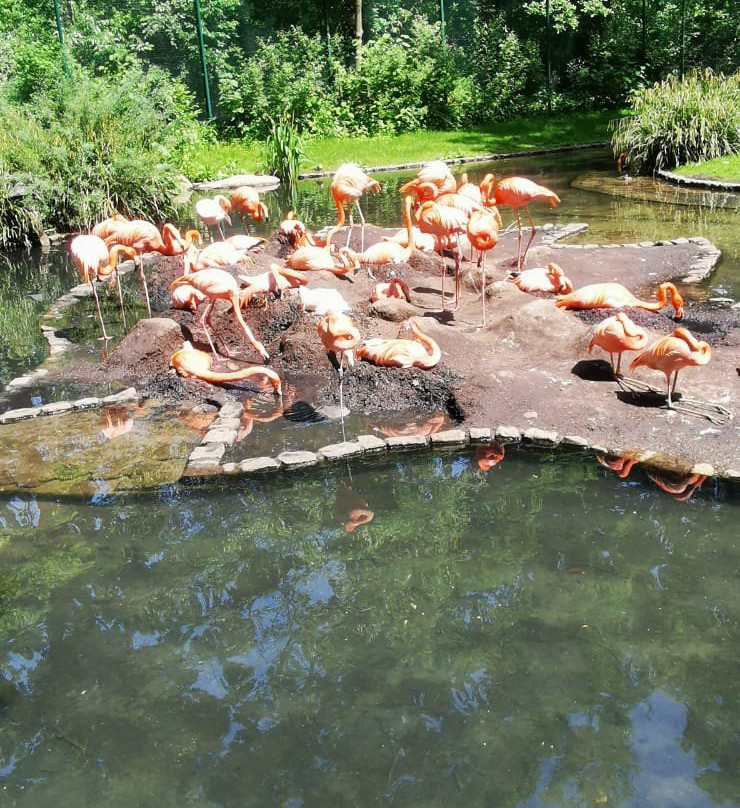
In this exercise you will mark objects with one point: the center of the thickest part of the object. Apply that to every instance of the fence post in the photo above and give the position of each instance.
(547, 56)
(683, 38)
(60, 31)
(442, 19)
(201, 45)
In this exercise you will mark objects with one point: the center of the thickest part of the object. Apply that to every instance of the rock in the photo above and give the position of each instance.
(393, 309)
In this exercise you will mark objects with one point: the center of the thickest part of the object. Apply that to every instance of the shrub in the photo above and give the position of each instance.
(90, 146)
(681, 121)
(283, 150)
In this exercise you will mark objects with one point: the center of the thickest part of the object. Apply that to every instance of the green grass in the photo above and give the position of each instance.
(721, 168)
(508, 136)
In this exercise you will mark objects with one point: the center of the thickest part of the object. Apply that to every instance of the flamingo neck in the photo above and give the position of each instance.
(340, 210)
(434, 352)
(408, 203)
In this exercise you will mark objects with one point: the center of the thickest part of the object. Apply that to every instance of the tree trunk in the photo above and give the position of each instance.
(358, 32)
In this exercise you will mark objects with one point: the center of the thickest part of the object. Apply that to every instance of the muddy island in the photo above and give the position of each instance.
(525, 372)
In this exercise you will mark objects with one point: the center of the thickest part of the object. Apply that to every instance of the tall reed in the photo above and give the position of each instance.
(283, 150)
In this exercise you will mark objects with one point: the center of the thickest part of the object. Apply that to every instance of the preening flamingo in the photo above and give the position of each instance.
(246, 200)
(544, 279)
(108, 226)
(212, 212)
(394, 289)
(432, 179)
(275, 281)
(217, 284)
(391, 252)
(95, 262)
(186, 296)
(216, 254)
(421, 352)
(190, 363)
(292, 229)
(482, 230)
(671, 354)
(459, 202)
(339, 335)
(617, 334)
(144, 236)
(470, 189)
(616, 296)
(518, 192)
(349, 183)
(445, 224)
(311, 257)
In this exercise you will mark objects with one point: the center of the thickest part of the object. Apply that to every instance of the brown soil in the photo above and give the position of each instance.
(527, 367)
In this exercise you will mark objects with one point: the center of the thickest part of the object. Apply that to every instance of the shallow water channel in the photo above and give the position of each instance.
(411, 631)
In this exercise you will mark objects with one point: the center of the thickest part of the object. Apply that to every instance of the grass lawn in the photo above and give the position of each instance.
(508, 136)
(721, 168)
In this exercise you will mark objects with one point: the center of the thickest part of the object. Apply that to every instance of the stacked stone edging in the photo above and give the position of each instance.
(697, 182)
(61, 407)
(205, 459)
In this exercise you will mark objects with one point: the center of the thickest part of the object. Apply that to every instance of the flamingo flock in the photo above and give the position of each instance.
(438, 212)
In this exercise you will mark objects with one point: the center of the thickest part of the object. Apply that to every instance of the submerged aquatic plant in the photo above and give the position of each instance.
(680, 121)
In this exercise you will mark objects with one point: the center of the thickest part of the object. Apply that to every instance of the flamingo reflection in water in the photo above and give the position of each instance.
(489, 455)
(679, 485)
(351, 509)
(423, 425)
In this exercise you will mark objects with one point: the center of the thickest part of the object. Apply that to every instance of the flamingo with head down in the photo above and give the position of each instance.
(190, 363)
(275, 281)
(213, 212)
(616, 296)
(246, 200)
(420, 352)
(672, 354)
(339, 335)
(617, 334)
(445, 224)
(482, 233)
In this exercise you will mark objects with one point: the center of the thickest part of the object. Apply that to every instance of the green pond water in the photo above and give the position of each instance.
(542, 635)
(546, 634)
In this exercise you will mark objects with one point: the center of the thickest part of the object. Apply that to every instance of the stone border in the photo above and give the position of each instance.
(483, 158)
(60, 407)
(205, 460)
(696, 182)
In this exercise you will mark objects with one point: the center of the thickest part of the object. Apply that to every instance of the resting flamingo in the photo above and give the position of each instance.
(671, 354)
(445, 224)
(349, 183)
(391, 252)
(321, 301)
(186, 296)
(246, 200)
(217, 284)
(616, 296)
(244, 242)
(339, 335)
(544, 279)
(312, 257)
(421, 352)
(190, 363)
(212, 212)
(215, 254)
(615, 335)
(94, 261)
(432, 179)
(394, 289)
(292, 229)
(518, 192)
(482, 230)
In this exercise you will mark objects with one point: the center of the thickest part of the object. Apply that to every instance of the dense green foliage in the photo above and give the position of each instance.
(87, 146)
(676, 122)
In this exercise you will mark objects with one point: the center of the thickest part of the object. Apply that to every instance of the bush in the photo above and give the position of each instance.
(91, 146)
(681, 121)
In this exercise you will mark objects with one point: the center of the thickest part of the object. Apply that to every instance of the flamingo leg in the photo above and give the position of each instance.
(518, 240)
(458, 278)
(256, 344)
(531, 237)
(362, 231)
(120, 299)
(142, 278)
(203, 321)
(97, 306)
(351, 223)
(483, 285)
(619, 360)
(672, 388)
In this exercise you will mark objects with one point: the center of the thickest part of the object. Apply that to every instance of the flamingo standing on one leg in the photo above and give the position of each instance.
(349, 183)
(671, 354)
(616, 296)
(518, 192)
(212, 212)
(482, 232)
(92, 257)
(618, 334)
(217, 284)
(421, 352)
(445, 224)
(339, 335)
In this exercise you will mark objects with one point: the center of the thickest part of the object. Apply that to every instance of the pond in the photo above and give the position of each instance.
(411, 631)
(545, 634)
